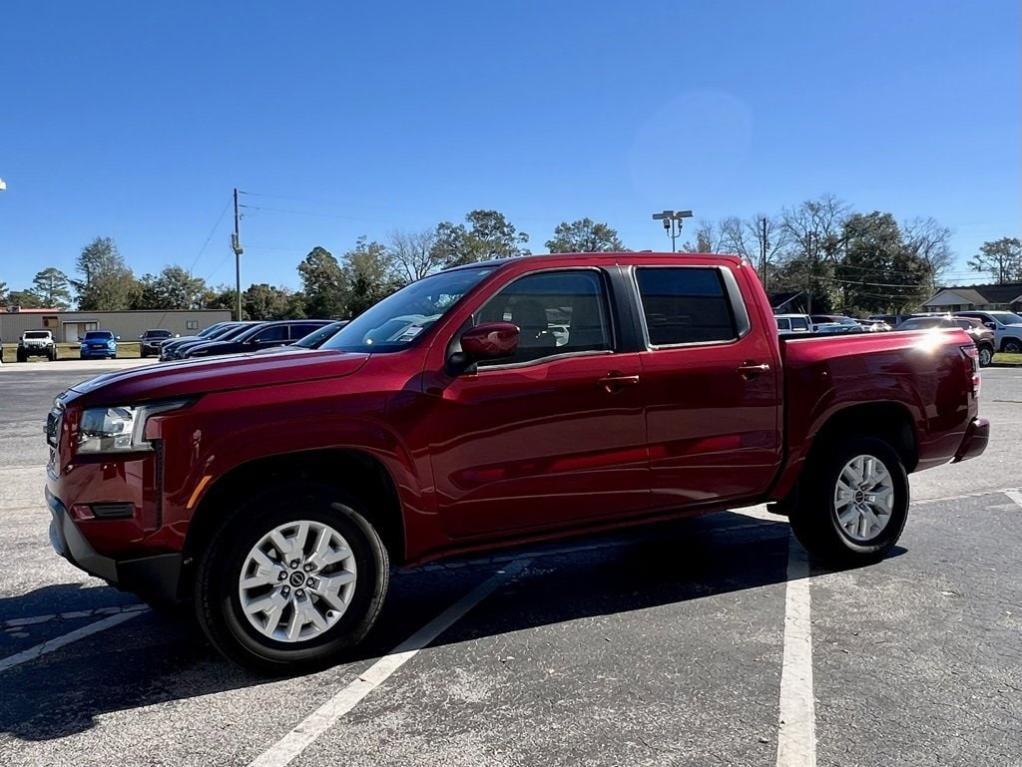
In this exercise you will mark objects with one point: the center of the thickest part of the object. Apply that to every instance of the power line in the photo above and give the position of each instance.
(209, 236)
(302, 212)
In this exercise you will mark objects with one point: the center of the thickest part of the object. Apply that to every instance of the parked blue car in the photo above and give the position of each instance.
(99, 344)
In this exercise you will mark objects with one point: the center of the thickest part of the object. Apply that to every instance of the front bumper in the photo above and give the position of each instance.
(977, 434)
(156, 577)
(105, 352)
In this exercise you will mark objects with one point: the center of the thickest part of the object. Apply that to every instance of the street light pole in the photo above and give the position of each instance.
(238, 250)
(672, 220)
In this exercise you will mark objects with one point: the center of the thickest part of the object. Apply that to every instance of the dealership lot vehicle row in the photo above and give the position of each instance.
(663, 648)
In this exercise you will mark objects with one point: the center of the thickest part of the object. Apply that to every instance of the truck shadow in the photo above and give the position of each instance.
(155, 658)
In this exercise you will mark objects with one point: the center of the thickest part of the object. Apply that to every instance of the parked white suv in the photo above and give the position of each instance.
(1007, 327)
(793, 323)
(36, 343)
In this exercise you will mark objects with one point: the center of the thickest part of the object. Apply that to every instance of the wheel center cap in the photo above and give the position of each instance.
(859, 496)
(297, 578)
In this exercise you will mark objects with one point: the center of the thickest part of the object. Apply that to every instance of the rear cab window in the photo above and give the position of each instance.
(684, 305)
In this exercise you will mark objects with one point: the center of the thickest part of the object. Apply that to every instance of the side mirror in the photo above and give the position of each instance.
(117, 338)
(488, 341)
(991, 325)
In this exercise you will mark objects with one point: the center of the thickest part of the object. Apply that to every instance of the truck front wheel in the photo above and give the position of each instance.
(295, 578)
(853, 503)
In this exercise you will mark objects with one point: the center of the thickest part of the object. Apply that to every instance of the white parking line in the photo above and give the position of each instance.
(796, 740)
(1015, 495)
(319, 721)
(62, 641)
(36, 619)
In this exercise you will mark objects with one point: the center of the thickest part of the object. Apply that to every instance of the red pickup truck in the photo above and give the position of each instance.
(485, 406)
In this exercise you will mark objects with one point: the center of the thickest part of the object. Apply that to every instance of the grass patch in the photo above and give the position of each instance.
(1007, 359)
(70, 352)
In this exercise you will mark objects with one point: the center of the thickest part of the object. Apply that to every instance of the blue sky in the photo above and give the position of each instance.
(135, 120)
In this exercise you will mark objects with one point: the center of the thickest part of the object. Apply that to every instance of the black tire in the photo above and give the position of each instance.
(814, 519)
(21, 357)
(986, 356)
(52, 356)
(143, 354)
(1012, 346)
(217, 603)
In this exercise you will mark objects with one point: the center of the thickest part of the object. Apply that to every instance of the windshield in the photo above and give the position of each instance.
(397, 320)
(212, 330)
(37, 334)
(1006, 318)
(157, 334)
(225, 332)
(235, 331)
(924, 322)
(98, 335)
(317, 337)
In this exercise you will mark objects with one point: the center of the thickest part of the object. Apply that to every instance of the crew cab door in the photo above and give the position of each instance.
(711, 386)
(555, 435)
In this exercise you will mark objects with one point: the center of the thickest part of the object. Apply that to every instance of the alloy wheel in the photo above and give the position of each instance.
(863, 498)
(297, 581)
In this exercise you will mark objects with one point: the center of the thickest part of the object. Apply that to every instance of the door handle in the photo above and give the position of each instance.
(615, 381)
(751, 370)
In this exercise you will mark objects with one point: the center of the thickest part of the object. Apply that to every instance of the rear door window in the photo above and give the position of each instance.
(685, 305)
(300, 331)
(271, 334)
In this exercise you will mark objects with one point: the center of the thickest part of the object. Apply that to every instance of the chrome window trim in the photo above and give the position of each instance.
(544, 360)
(731, 290)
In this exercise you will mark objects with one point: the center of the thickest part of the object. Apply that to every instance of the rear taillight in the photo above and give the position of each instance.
(972, 355)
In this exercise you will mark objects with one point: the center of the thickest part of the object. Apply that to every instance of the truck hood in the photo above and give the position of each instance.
(190, 377)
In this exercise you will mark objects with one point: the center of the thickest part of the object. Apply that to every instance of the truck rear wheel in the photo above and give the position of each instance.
(854, 502)
(1012, 346)
(296, 577)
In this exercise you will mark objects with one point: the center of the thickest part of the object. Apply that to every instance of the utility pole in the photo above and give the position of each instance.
(238, 250)
(812, 272)
(672, 223)
(763, 252)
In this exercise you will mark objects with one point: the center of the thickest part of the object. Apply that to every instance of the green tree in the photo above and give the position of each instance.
(265, 302)
(220, 297)
(3, 293)
(107, 283)
(52, 287)
(488, 235)
(878, 271)
(1001, 259)
(25, 299)
(323, 284)
(369, 273)
(173, 288)
(584, 236)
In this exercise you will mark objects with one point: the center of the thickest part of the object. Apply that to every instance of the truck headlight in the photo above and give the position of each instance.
(119, 429)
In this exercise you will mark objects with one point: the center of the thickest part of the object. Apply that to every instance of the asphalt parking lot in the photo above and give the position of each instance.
(710, 641)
